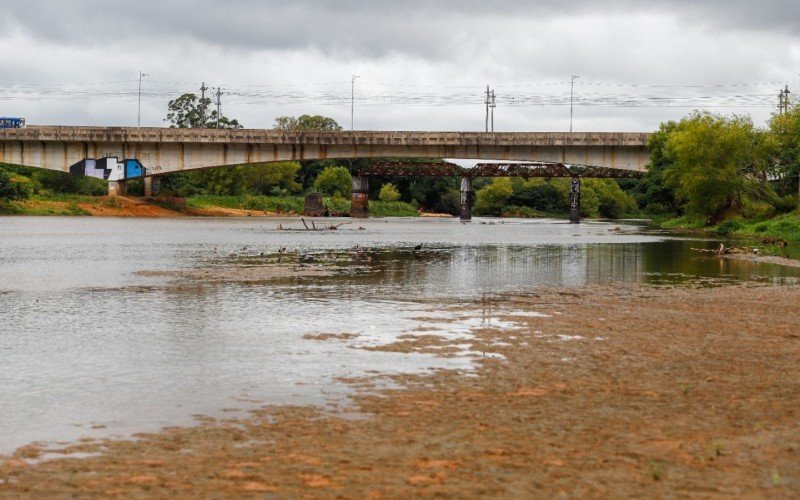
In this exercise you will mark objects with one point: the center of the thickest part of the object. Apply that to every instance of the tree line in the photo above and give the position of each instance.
(706, 166)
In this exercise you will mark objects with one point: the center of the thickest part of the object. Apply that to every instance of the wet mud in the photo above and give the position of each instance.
(623, 390)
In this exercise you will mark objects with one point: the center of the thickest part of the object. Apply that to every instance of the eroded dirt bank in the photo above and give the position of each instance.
(619, 391)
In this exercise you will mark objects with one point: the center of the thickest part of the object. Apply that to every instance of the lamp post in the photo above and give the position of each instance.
(139, 114)
(571, 94)
(352, 101)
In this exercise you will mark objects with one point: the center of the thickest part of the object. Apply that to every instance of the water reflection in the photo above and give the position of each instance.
(100, 328)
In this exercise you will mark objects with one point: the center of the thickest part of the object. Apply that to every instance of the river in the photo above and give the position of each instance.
(114, 326)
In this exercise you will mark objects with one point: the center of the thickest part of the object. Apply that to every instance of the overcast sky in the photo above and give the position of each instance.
(422, 65)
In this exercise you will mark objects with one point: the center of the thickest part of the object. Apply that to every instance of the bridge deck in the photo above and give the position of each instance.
(162, 150)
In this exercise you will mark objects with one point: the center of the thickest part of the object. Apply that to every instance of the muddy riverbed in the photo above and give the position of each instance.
(181, 358)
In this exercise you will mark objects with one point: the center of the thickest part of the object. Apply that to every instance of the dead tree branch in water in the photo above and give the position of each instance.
(330, 227)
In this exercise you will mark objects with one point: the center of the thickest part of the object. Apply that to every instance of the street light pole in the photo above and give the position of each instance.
(139, 115)
(571, 94)
(352, 102)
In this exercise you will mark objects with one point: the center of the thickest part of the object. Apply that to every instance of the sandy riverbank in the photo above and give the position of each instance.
(623, 390)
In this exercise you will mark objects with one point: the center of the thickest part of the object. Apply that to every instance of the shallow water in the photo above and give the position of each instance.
(101, 334)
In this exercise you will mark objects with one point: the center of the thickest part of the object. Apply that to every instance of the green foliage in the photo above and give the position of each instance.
(221, 181)
(786, 130)
(337, 205)
(716, 161)
(786, 227)
(389, 192)
(272, 178)
(539, 194)
(652, 193)
(274, 204)
(11, 189)
(334, 180)
(392, 209)
(493, 197)
(436, 194)
(590, 202)
(307, 123)
(613, 203)
(519, 212)
(187, 111)
(729, 226)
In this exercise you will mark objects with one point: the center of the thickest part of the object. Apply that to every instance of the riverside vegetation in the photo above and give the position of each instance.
(720, 174)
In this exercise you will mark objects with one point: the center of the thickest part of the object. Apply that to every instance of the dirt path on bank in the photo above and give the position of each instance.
(617, 391)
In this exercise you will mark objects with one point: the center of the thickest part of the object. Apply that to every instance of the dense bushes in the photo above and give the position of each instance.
(528, 198)
(334, 180)
(11, 189)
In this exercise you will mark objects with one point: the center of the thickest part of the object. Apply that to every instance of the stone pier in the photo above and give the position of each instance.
(117, 188)
(466, 199)
(359, 202)
(152, 186)
(575, 201)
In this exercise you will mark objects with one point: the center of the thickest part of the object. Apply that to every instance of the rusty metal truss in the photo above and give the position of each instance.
(524, 170)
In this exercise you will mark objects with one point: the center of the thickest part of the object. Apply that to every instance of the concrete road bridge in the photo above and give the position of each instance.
(120, 154)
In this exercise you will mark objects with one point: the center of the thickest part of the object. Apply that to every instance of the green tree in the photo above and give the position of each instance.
(652, 193)
(307, 123)
(613, 203)
(492, 198)
(272, 178)
(222, 181)
(538, 194)
(785, 129)
(334, 181)
(389, 192)
(717, 161)
(187, 111)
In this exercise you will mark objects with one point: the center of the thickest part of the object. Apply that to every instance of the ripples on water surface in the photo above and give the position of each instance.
(133, 324)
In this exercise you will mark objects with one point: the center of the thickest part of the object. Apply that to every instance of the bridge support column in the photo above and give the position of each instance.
(117, 188)
(575, 201)
(466, 199)
(152, 186)
(359, 201)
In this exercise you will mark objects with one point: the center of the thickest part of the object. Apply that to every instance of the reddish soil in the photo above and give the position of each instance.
(622, 391)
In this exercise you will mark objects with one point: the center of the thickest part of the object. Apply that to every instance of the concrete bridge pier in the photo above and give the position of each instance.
(466, 199)
(359, 201)
(152, 186)
(117, 188)
(575, 201)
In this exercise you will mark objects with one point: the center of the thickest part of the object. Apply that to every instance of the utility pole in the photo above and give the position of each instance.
(139, 115)
(493, 105)
(571, 95)
(783, 101)
(487, 102)
(219, 104)
(353, 102)
(203, 89)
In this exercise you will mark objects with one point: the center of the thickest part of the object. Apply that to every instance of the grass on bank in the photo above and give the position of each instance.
(50, 204)
(765, 233)
(291, 205)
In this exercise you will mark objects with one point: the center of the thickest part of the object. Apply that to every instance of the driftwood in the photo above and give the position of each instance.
(769, 240)
(723, 250)
(327, 227)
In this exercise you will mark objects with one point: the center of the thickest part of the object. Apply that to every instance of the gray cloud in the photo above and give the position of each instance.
(399, 47)
(370, 28)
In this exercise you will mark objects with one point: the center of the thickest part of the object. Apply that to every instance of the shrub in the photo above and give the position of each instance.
(539, 195)
(729, 226)
(389, 193)
(656, 208)
(334, 180)
(493, 197)
(520, 212)
(11, 189)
